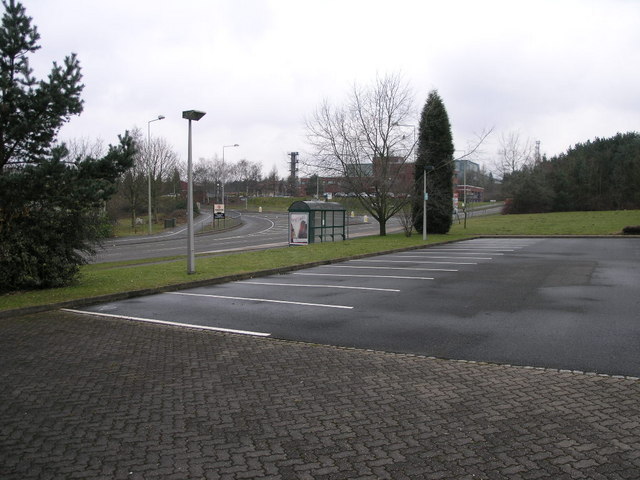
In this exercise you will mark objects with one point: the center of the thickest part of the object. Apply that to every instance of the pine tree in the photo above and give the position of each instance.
(50, 205)
(435, 154)
(32, 111)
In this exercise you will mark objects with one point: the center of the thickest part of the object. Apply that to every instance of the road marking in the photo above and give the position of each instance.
(396, 268)
(443, 258)
(474, 249)
(416, 261)
(322, 286)
(500, 245)
(463, 252)
(248, 299)
(165, 322)
(363, 276)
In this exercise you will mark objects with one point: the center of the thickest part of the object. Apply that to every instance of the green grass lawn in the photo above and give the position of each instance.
(559, 223)
(109, 278)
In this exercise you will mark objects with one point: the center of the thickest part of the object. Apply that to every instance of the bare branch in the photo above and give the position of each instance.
(365, 143)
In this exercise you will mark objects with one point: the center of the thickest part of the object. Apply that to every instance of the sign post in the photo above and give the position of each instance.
(218, 212)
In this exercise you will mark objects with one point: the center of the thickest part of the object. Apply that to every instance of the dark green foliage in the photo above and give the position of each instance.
(528, 192)
(50, 215)
(50, 206)
(435, 149)
(603, 174)
(31, 112)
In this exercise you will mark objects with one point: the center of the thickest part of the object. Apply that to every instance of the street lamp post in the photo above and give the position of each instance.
(424, 181)
(191, 261)
(427, 168)
(223, 168)
(160, 117)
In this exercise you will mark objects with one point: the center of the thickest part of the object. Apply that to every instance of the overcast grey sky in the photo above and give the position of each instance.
(558, 71)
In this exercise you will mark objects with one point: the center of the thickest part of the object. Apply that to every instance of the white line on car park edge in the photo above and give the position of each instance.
(475, 249)
(397, 277)
(174, 324)
(441, 258)
(248, 299)
(462, 251)
(322, 286)
(396, 268)
(415, 261)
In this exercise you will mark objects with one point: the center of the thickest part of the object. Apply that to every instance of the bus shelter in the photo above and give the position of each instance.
(314, 221)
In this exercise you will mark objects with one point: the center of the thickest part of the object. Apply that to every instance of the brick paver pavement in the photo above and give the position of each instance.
(96, 398)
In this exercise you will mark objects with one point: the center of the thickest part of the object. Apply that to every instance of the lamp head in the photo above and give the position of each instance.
(193, 115)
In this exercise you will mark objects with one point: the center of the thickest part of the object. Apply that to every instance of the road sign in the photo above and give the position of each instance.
(218, 210)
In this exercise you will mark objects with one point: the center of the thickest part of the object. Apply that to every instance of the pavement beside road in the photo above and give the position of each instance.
(97, 398)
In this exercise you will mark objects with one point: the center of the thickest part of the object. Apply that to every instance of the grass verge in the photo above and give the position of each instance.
(559, 223)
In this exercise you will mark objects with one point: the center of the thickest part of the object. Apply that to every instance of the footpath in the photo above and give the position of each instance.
(93, 398)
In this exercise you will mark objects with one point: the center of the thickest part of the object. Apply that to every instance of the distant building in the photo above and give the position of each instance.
(464, 169)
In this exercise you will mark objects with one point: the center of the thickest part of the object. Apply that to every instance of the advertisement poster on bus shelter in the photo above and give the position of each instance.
(298, 228)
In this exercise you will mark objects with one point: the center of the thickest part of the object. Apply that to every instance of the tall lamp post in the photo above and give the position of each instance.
(160, 117)
(427, 168)
(191, 261)
(223, 172)
(424, 181)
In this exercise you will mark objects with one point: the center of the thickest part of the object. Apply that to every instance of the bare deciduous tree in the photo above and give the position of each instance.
(247, 173)
(160, 161)
(365, 142)
(132, 185)
(81, 148)
(514, 153)
(204, 177)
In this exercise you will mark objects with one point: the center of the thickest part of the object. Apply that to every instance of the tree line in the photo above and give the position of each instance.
(600, 174)
(157, 174)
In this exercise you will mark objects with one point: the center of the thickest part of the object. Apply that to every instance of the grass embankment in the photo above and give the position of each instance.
(559, 223)
(110, 278)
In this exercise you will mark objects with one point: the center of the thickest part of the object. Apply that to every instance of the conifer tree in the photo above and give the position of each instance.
(50, 204)
(435, 154)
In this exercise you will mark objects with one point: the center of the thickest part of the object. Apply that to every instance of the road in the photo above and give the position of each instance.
(256, 231)
(559, 303)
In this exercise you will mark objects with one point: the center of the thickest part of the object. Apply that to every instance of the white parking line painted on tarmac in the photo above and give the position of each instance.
(396, 268)
(174, 324)
(395, 277)
(464, 251)
(322, 286)
(268, 300)
(474, 249)
(416, 261)
(442, 257)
